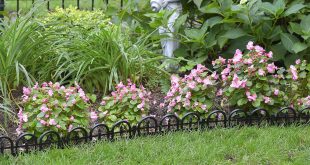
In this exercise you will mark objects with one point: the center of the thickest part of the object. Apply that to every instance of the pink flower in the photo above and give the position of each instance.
(57, 85)
(178, 99)
(250, 45)
(72, 118)
(261, 72)
(267, 99)
(271, 68)
(236, 83)
(294, 72)
(204, 107)
(52, 122)
(251, 97)
(50, 92)
(191, 84)
(259, 49)
(161, 105)
(226, 71)
(93, 116)
(43, 122)
(219, 92)
(44, 84)
(103, 103)
(269, 55)
(237, 57)
(70, 127)
(214, 75)
(188, 95)
(26, 91)
(207, 82)
(58, 126)
(248, 61)
(276, 92)
(140, 106)
(298, 62)
(44, 108)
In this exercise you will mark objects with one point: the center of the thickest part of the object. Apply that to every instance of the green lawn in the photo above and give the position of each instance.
(273, 145)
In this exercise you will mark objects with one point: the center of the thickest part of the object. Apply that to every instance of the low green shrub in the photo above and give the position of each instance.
(53, 107)
(128, 102)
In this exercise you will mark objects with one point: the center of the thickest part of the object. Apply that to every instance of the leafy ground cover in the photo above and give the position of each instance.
(249, 145)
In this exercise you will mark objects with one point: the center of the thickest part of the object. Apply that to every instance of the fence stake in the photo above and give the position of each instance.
(78, 4)
(1, 7)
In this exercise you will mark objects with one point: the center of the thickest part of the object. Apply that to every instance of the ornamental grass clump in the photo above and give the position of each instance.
(127, 102)
(194, 92)
(53, 107)
(250, 80)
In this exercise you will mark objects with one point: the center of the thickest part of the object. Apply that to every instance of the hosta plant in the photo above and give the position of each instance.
(250, 80)
(53, 107)
(194, 92)
(127, 102)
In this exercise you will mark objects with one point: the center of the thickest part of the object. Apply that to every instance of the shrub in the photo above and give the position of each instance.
(53, 107)
(299, 84)
(128, 102)
(250, 80)
(194, 92)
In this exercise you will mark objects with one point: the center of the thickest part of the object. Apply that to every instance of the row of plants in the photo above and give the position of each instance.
(248, 80)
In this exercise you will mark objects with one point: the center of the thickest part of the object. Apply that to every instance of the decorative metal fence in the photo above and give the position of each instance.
(152, 126)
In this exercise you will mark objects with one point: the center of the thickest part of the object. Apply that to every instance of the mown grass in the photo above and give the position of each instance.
(272, 145)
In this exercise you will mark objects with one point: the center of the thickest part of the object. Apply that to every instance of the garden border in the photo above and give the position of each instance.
(149, 125)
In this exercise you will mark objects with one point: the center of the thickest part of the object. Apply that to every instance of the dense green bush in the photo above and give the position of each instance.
(212, 27)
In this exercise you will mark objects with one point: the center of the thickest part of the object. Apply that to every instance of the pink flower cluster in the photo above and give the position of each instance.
(50, 105)
(183, 92)
(126, 102)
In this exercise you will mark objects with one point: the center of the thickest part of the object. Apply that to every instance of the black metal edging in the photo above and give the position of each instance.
(149, 125)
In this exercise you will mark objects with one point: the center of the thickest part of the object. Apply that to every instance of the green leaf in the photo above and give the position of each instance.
(180, 21)
(214, 21)
(296, 28)
(198, 3)
(293, 9)
(288, 41)
(242, 101)
(234, 33)
(298, 47)
(268, 7)
(305, 24)
(113, 118)
(211, 8)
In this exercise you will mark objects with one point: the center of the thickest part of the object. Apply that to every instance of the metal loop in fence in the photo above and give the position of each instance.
(6, 143)
(99, 132)
(48, 138)
(285, 116)
(258, 116)
(238, 117)
(169, 123)
(26, 142)
(77, 135)
(147, 126)
(216, 118)
(190, 121)
(304, 115)
(121, 129)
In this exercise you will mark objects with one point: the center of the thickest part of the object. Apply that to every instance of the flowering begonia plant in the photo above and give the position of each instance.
(128, 102)
(194, 92)
(53, 107)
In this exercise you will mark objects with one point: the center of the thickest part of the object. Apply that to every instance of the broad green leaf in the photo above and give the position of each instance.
(305, 24)
(293, 9)
(214, 21)
(279, 6)
(296, 28)
(198, 3)
(234, 33)
(278, 51)
(242, 101)
(288, 41)
(268, 7)
(180, 21)
(299, 46)
(211, 8)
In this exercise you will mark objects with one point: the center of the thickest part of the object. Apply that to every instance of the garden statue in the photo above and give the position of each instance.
(170, 43)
